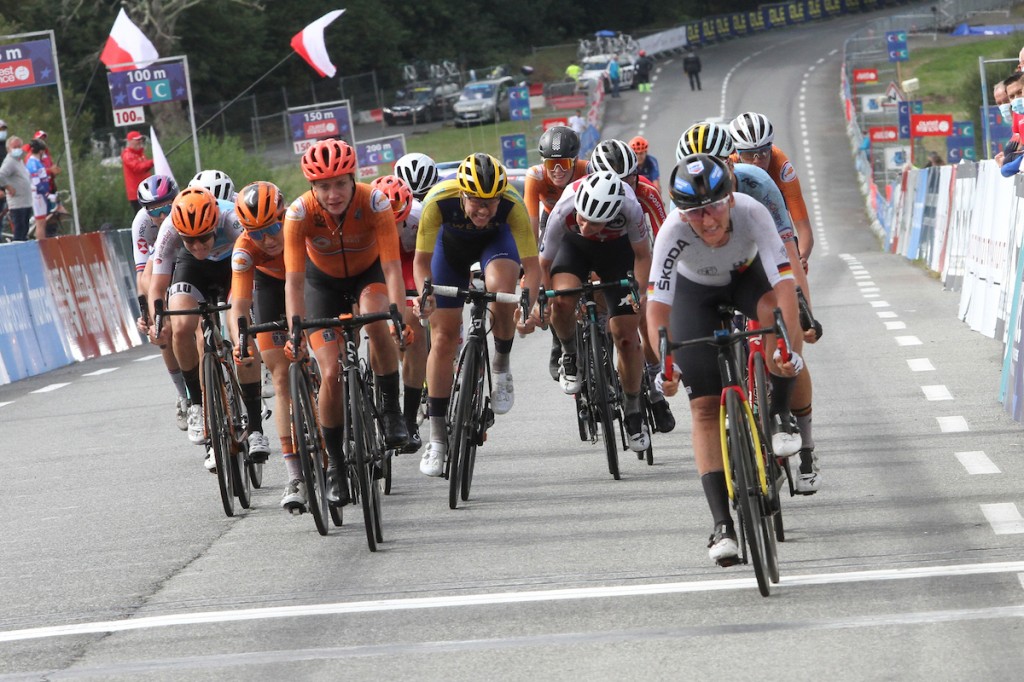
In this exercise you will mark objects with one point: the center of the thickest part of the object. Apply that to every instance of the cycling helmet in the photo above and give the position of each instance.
(599, 197)
(218, 182)
(481, 175)
(699, 180)
(195, 212)
(328, 159)
(638, 145)
(751, 130)
(419, 171)
(559, 142)
(259, 204)
(712, 139)
(156, 190)
(398, 193)
(615, 156)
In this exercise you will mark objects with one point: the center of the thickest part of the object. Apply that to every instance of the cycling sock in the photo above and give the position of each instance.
(411, 398)
(782, 392)
(569, 344)
(437, 408)
(803, 420)
(502, 349)
(251, 396)
(389, 391)
(293, 465)
(652, 369)
(193, 385)
(717, 496)
(179, 382)
(631, 404)
(333, 436)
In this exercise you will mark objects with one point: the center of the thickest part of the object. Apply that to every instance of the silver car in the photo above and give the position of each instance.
(484, 101)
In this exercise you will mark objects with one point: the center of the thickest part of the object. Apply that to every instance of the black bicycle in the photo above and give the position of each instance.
(364, 451)
(469, 410)
(227, 425)
(599, 402)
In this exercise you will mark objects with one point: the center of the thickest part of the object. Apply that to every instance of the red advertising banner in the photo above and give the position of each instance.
(931, 125)
(551, 122)
(865, 75)
(884, 134)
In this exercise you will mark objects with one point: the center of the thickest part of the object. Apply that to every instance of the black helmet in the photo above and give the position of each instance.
(699, 180)
(559, 142)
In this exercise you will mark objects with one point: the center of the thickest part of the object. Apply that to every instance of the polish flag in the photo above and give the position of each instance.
(160, 165)
(309, 43)
(127, 45)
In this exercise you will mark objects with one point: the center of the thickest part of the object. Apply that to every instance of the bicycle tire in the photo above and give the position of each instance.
(215, 414)
(480, 420)
(746, 494)
(599, 398)
(460, 421)
(374, 443)
(239, 438)
(759, 379)
(647, 410)
(309, 443)
(359, 458)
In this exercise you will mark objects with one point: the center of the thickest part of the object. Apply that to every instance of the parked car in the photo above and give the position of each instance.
(596, 66)
(485, 101)
(422, 103)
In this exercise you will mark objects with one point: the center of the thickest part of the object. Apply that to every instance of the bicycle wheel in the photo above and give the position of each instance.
(599, 395)
(239, 439)
(375, 459)
(759, 395)
(746, 490)
(647, 410)
(218, 430)
(360, 458)
(309, 443)
(481, 418)
(460, 424)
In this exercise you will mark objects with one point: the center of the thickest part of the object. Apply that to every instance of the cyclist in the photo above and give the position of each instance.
(155, 195)
(419, 171)
(598, 226)
(201, 271)
(646, 163)
(754, 137)
(718, 248)
(618, 157)
(559, 147)
(341, 248)
(218, 182)
(257, 277)
(414, 361)
(475, 217)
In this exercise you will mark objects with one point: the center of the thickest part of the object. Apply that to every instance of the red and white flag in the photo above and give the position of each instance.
(309, 43)
(127, 45)
(160, 165)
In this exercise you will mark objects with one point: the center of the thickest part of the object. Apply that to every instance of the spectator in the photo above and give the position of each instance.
(614, 74)
(577, 122)
(17, 185)
(573, 71)
(644, 66)
(646, 165)
(52, 170)
(40, 188)
(1002, 101)
(136, 167)
(1011, 149)
(934, 160)
(691, 65)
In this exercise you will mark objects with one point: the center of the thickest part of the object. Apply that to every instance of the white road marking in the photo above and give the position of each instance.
(921, 365)
(533, 596)
(6, 403)
(870, 290)
(879, 304)
(1004, 518)
(955, 424)
(867, 283)
(892, 326)
(147, 357)
(51, 387)
(1020, 578)
(884, 314)
(977, 462)
(98, 372)
(871, 295)
(937, 392)
(905, 340)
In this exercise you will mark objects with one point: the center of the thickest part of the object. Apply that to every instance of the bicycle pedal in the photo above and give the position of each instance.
(726, 562)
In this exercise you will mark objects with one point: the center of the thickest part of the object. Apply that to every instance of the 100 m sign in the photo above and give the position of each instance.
(129, 117)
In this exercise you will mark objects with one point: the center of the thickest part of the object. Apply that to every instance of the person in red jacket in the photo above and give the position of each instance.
(136, 167)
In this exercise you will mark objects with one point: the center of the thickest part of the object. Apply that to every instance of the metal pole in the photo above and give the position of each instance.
(191, 116)
(984, 108)
(64, 127)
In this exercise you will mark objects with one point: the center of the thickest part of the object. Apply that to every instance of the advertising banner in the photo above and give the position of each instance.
(137, 87)
(313, 124)
(519, 103)
(27, 65)
(513, 151)
(371, 155)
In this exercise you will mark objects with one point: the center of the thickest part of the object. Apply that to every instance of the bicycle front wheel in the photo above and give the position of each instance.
(759, 378)
(309, 443)
(600, 398)
(218, 430)
(479, 423)
(239, 439)
(746, 489)
(462, 428)
(361, 459)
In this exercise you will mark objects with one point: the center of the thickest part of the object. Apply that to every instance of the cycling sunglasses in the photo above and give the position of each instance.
(714, 208)
(565, 164)
(159, 211)
(269, 230)
(198, 240)
(756, 154)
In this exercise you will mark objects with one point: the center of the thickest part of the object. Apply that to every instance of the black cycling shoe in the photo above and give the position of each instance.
(663, 419)
(556, 355)
(337, 490)
(396, 434)
(414, 443)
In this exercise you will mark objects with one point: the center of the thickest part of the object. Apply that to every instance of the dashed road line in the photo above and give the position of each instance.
(51, 387)
(893, 326)
(955, 424)
(886, 314)
(921, 365)
(905, 340)
(977, 463)
(879, 304)
(144, 358)
(98, 372)
(937, 392)
(1004, 518)
(6, 403)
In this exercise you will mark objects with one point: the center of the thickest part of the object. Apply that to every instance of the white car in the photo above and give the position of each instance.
(596, 66)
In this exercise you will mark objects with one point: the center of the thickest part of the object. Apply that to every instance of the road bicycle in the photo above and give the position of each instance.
(745, 455)
(365, 456)
(599, 402)
(227, 425)
(469, 410)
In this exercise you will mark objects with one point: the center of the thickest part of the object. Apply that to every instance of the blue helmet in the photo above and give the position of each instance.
(699, 180)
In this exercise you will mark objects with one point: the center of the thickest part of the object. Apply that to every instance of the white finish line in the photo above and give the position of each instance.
(207, 617)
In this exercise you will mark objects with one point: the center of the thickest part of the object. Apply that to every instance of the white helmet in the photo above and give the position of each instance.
(615, 156)
(218, 182)
(751, 130)
(599, 197)
(713, 139)
(419, 171)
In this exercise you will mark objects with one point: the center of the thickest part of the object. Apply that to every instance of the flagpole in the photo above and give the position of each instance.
(237, 97)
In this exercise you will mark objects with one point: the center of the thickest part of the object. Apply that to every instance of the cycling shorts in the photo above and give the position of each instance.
(454, 255)
(611, 260)
(268, 306)
(203, 280)
(328, 296)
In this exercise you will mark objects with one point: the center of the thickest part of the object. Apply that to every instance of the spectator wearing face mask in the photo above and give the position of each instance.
(1011, 149)
(17, 185)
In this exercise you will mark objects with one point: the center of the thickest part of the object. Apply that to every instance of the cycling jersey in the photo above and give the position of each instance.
(755, 182)
(649, 169)
(367, 233)
(679, 249)
(246, 260)
(539, 190)
(782, 172)
(168, 241)
(443, 214)
(629, 222)
(407, 231)
(650, 201)
(144, 232)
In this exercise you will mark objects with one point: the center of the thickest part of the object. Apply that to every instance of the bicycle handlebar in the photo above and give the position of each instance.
(472, 294)
(586, 287)
(348, 321)
(807, 320)
(144, 309)
(245, 330)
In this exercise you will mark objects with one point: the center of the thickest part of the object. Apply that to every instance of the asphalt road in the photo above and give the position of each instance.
(117, 562)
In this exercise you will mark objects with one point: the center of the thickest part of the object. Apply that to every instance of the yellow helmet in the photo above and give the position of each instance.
(481, 175)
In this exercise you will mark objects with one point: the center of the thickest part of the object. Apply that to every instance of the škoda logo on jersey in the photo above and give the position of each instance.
(668, 266)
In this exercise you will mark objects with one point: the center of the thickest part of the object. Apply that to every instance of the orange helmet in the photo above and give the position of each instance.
(328, 159)
(258, 205)
(638, 144)
(398, 192)
(194, 212)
